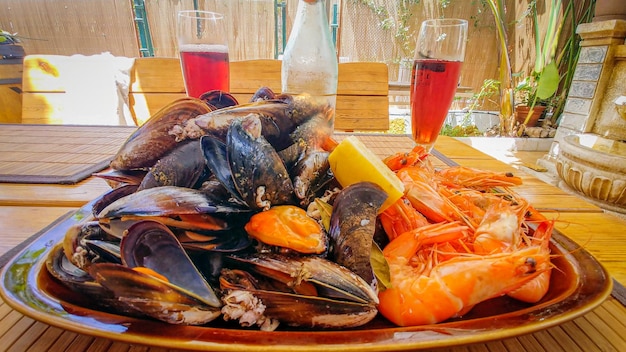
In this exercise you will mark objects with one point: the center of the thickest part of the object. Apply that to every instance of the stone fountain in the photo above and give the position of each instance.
(589, 152)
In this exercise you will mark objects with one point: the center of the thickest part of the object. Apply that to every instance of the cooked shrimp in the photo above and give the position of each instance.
(410, 243)
(501, 232)
(399, 160)
(461, 176)
(420, 296)
(534, 290)
(423, 196)
(500, 229)
(401, 217)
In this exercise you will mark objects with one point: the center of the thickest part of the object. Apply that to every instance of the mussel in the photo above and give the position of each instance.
(307, 292)
(170, 288)
(152, 140)
(248, 166)
(352, 227)
(183, 166)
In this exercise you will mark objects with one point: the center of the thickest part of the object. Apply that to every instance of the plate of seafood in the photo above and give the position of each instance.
(227, 228)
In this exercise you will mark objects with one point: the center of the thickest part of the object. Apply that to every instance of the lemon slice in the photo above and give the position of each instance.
(352, 162)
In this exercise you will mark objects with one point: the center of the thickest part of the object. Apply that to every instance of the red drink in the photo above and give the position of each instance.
(433, 85)
(205, 68)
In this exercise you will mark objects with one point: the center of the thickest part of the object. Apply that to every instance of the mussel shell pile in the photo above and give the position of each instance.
(169, 241)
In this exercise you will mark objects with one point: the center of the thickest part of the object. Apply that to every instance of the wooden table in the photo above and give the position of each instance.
(24, 209)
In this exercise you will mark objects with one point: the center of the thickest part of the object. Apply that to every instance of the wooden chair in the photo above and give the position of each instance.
(362, 92)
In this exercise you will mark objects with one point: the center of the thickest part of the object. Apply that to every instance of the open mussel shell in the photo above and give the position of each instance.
(163, 201)
(311, 173)
(215, 155)
(321, 293)
(79, 281)
(225, 241)
(330, 279)
(59, 266)
(263, 93)
(111, 196)
(353, 225)
(248, 166)
(116, 178)
(219, 99)
(87, 242)
(152, 245)
(153, 297)
(315, 312)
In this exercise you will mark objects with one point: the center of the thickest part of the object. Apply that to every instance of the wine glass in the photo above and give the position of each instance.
(203, 46)
(439, 54)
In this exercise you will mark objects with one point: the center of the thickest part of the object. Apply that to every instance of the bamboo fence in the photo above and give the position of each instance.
(66, 27)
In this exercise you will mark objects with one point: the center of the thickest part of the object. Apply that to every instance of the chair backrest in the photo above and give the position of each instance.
(362, 92)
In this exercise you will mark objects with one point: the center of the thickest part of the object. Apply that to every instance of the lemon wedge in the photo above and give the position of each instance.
(352, 162)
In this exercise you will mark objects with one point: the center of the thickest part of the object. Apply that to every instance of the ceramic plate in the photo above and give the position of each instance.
(579, 284)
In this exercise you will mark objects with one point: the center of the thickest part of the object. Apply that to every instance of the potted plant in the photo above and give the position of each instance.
(533, 94)
(9, 46)
(549, 80)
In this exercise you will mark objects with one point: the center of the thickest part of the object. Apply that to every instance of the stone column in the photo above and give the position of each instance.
(601, 43)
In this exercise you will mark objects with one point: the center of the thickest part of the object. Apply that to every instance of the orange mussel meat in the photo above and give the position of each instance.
(290, 227)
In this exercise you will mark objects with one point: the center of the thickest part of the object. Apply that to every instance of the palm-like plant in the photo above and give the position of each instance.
(553, 69)
(506, 88)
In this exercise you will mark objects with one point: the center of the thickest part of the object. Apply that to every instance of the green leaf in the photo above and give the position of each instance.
(380, 267)
(325, 212)
(548, 81)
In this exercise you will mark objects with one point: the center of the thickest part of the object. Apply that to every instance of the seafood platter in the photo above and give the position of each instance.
(234, 225)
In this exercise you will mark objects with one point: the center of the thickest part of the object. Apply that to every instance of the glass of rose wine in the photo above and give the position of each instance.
(439, 54)
(203, 47)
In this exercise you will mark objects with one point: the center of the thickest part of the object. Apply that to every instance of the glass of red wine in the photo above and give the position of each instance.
(439, 54)
(203, 46)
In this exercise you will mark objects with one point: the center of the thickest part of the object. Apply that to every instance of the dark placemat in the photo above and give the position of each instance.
(57, 154)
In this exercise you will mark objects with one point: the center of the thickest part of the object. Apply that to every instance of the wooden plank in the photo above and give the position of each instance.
(164, 75)
(361, 93)
(362, 113)
(43, 108)
(144, 105)
(11, 69)
(246, 77)
(10, 103)
(603, 235)
(22, 342)
(157, 75)
(47, 338)
(59, 73)
(15, 194)
(363, 78)
(22, 222)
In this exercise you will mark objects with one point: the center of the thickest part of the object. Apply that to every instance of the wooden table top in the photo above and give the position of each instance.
(25, 209)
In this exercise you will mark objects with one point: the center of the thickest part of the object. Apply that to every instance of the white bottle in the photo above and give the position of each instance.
(310, 60)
